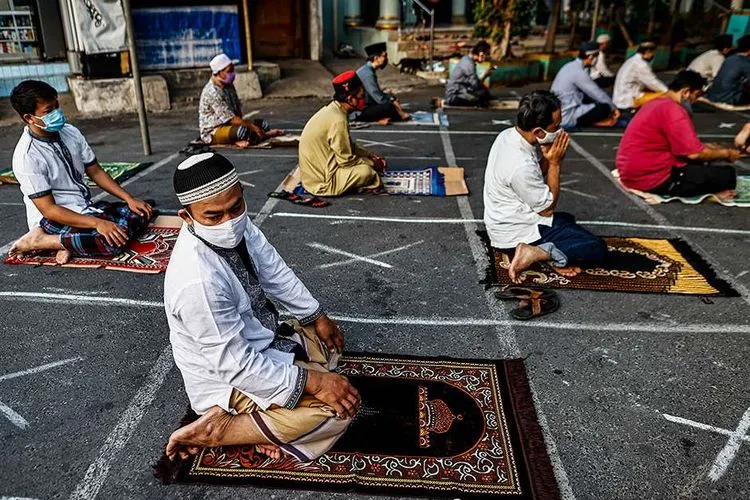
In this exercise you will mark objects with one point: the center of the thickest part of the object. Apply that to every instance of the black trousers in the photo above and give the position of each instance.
(695, 179)
(605, 81)
(375, 112)
(480, 97)
(599, 112)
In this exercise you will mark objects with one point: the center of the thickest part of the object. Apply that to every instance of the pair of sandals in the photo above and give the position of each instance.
(533, 302)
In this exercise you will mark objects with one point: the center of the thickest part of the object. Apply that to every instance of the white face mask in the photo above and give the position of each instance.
(549, 137)
(228, 234)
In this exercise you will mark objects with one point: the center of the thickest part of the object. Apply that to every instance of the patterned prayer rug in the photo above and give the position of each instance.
(427, 426)
(431, 181)
(639, 265)
(149, 253)
(119, 171)
(742, 199)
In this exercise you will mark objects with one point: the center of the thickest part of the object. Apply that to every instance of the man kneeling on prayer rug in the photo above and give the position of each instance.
(255, 381)
(220, 111)
(50, 161)
(522, 189)
(661, 153)
(330, 162)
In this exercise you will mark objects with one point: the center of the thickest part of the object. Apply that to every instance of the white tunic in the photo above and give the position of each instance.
(600, 68)
(514, 192)
(42, 168)
(217, 342)
(634, 76)
(708, 64)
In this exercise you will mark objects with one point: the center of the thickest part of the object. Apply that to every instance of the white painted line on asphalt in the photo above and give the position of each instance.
(430, 220)
(97, 472)
(250, 172)
(379, 254)
(438, 321)
(390, 157)
(742, 289)
(269, 205)
(248, 184)
(4, 249)
(360, 258)
(18, 498)
(505, 333)
(66, 298)
(40, 368)
(12, 204)
(14, 417)
(727, 455)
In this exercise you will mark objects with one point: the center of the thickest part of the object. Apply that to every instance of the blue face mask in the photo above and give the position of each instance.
(53, 121)
(687, 105)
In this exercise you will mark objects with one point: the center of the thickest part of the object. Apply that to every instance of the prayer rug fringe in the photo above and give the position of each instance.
(693, 275)
(513, 427)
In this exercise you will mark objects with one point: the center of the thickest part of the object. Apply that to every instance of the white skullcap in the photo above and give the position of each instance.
(220, 62)
(603, 38)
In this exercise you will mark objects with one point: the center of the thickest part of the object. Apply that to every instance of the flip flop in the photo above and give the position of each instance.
(536, 307)
(511, 292)
(310, 201)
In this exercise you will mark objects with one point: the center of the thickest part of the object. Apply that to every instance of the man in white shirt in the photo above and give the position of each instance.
(522, 189)
(709, 63)
(50, 161)
(600, 72)
(255, 381)
(636, 83)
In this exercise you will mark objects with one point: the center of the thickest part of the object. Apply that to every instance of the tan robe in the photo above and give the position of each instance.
(311, 428)
(330, 162)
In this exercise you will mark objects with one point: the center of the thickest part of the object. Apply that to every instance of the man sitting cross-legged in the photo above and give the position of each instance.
(330, 162)
(255, 381)
(636, 83)
(220, 110)
(661, 153)
(584, 103)
(49, 162)
(379, 106)
(522, 189)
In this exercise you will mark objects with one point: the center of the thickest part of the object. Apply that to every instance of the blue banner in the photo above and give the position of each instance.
(186, 37)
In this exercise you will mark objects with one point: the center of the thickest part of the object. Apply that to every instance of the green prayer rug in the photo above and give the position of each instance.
(119, 171)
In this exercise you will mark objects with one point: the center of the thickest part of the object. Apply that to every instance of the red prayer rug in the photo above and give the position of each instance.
(427, 426)
(149, 253)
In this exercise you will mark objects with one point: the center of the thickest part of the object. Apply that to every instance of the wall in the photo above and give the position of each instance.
(54, 74)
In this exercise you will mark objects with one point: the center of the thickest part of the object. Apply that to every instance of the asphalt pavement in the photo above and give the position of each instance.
(640, 396)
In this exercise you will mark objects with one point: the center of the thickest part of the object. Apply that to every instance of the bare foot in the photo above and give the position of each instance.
(609, 122)
(28, 242)
(274, 132)
(741, 141)
(270, 450)
(208, 430)
(62, 257)
(525, 256)
(384, 121)
(729, 194)
(242, 144)
(569, 271)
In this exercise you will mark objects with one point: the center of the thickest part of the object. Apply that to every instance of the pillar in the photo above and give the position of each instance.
(390, 18)
(353, 14)
(458, 12)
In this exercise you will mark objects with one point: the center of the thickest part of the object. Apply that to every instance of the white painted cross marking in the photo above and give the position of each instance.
(248, 184)
(361, 258)
(726, 125)
(392, 144)
(502, 122)
(727, 455)
(250, 172)
(14, 417)
(379, 254)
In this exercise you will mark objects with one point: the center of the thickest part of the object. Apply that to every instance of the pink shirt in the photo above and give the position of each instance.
(660, 136)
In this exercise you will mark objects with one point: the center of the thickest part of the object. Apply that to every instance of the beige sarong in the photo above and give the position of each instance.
(311, 428)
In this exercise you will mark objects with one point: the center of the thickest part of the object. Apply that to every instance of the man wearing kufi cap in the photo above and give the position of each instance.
(220, 110)
(636, 83)
(379, 106)
(732, 83)
(253, 380)
(600, 72)
(584, 103)
(330, 162)
(709, 63)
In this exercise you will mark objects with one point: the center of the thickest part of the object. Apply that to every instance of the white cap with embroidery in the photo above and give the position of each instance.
(219, 62)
